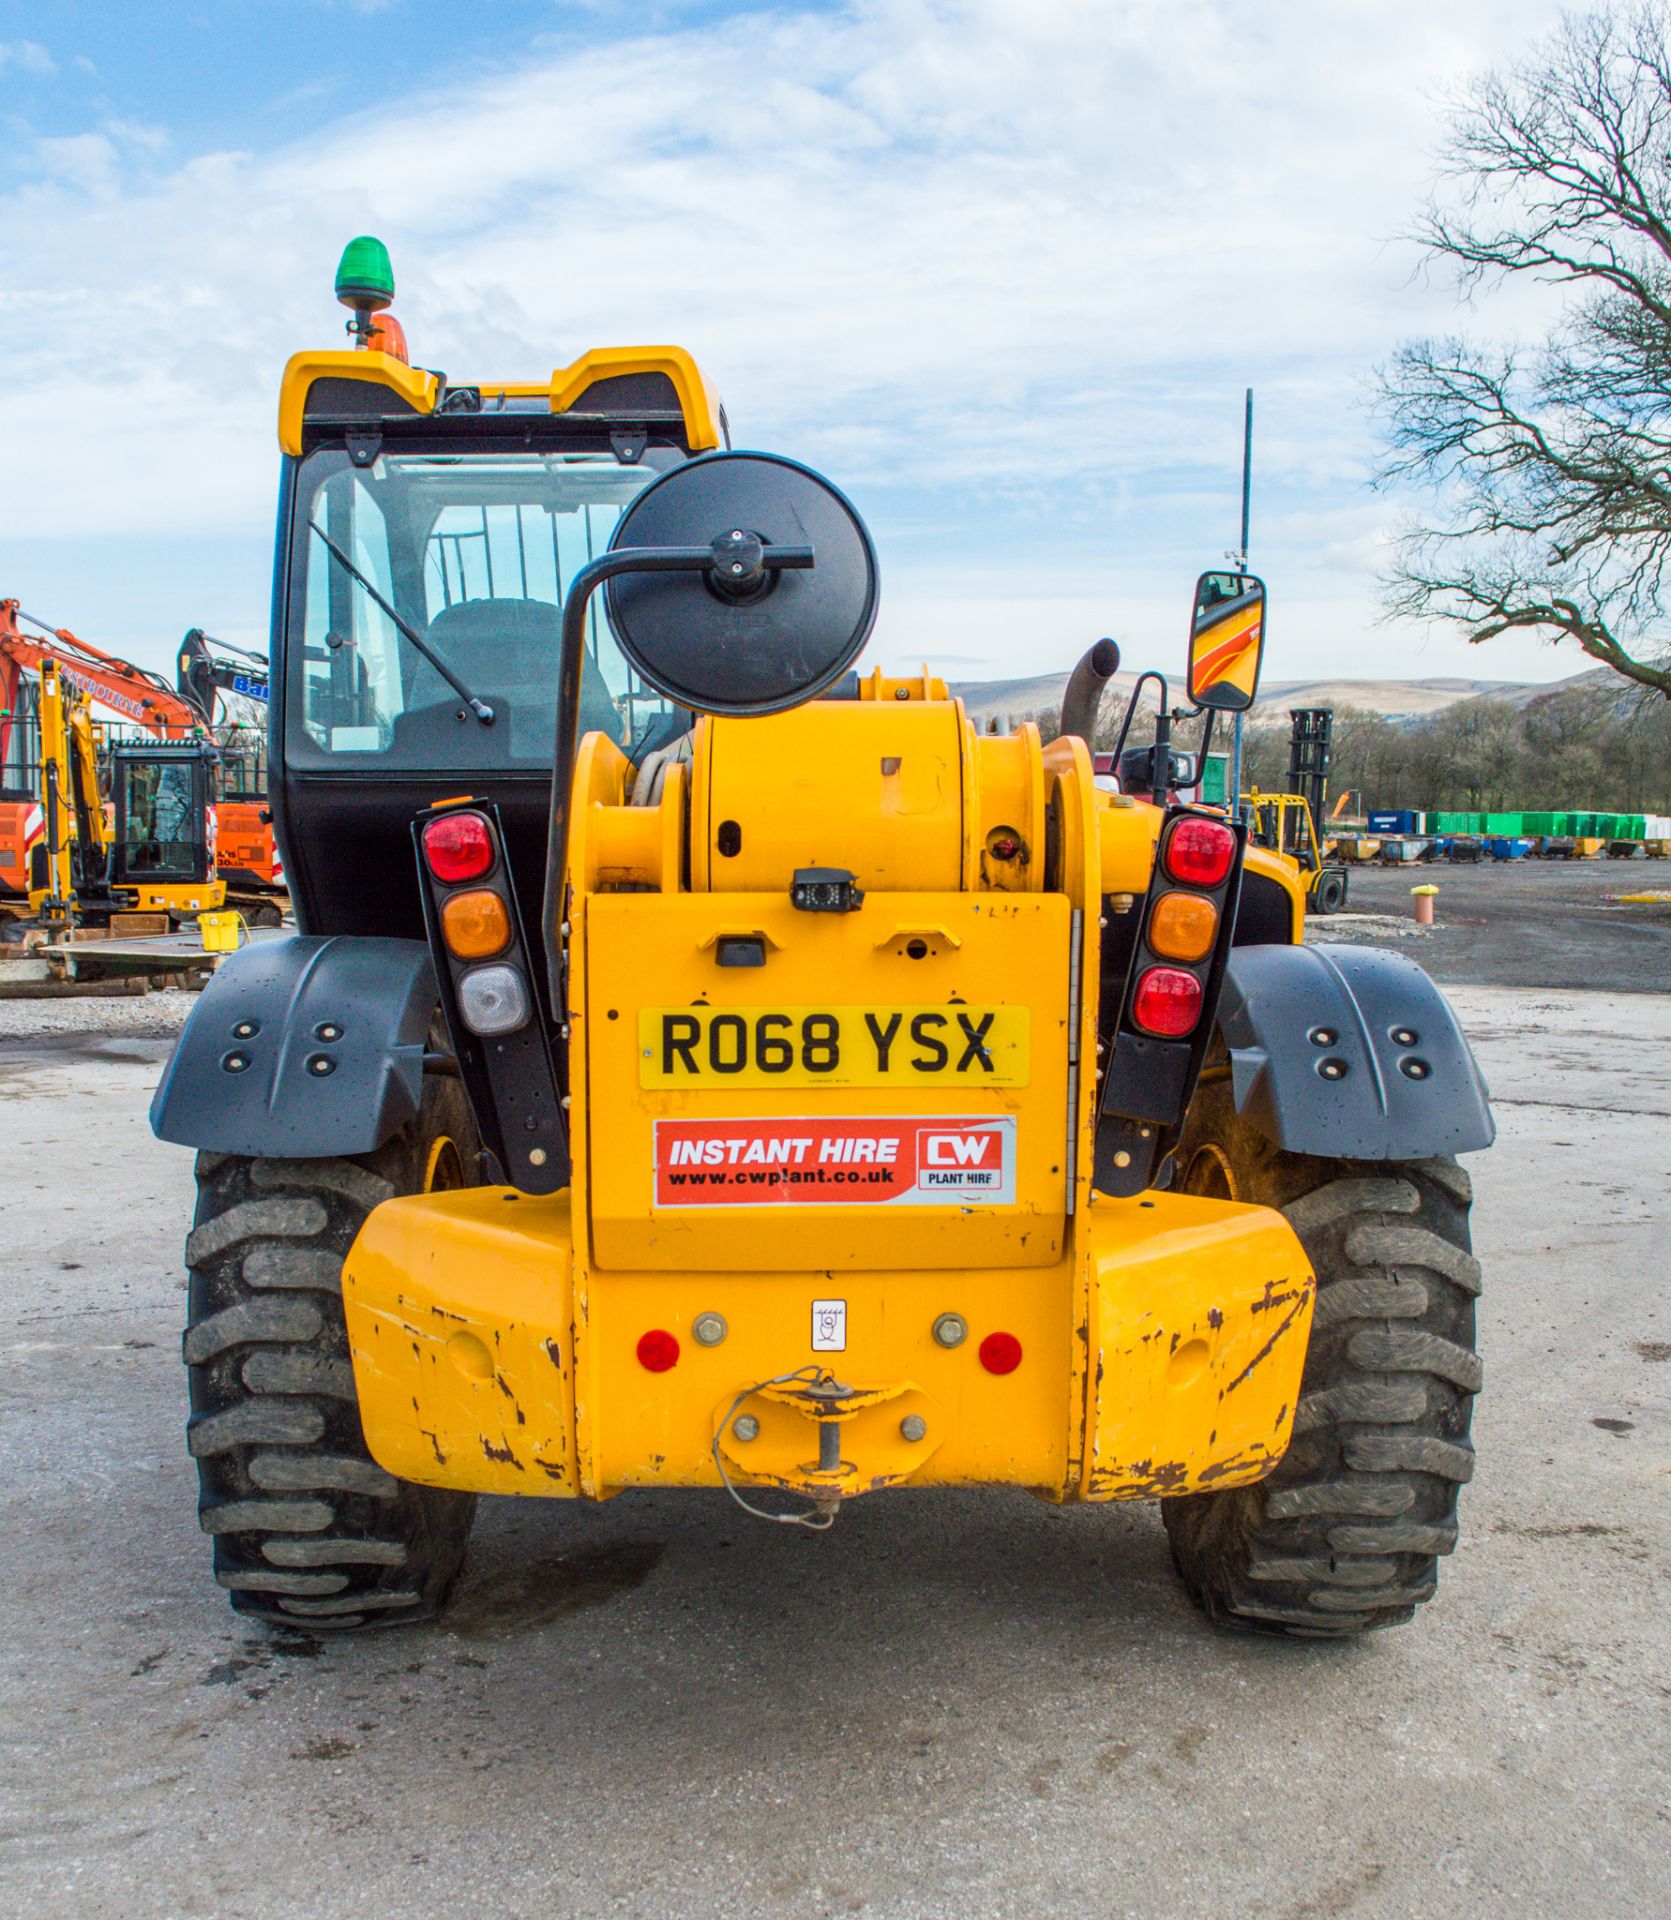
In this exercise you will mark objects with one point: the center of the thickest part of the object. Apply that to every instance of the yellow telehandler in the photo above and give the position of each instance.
(700, 1066)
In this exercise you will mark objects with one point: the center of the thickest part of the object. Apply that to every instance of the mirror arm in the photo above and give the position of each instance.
(571, 661)
(1131, 709)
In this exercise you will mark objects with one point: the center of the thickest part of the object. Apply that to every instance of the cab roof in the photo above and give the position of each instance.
(329, 391)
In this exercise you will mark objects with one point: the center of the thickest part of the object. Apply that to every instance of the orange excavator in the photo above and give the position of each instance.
(248, 855)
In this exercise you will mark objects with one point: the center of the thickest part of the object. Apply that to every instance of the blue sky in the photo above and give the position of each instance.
(1003, 271)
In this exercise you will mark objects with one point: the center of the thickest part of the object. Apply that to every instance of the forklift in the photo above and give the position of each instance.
(702, 1065)
(1286, 823)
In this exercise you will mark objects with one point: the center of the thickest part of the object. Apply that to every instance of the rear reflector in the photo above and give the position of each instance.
(657, 1350)
(1000, 1353)
(493, 1000)
(1182, 926)
(1167, 1002)
(1199, 852)
(475, 925)
(458, 846)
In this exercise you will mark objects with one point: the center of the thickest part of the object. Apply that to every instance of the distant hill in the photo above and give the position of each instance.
(1396, 699)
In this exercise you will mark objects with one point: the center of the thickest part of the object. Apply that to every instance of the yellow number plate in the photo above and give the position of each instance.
(944, 1046)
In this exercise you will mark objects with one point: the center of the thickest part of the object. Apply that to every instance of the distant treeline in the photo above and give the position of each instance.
(1602, 748)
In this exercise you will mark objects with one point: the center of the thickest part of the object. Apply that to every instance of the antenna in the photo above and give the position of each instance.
(1247, 473)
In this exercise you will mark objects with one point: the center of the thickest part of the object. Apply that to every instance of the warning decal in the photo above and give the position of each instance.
(908, 1161)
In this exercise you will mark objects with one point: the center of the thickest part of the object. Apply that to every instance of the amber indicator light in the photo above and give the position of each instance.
(475, 925)
(1183, 926)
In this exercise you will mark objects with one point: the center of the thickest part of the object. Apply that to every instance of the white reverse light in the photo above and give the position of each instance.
(493, 1000)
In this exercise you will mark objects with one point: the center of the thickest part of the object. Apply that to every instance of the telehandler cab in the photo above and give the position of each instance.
(699, 1066)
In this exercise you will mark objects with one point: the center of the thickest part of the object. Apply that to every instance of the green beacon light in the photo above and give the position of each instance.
(365, 283)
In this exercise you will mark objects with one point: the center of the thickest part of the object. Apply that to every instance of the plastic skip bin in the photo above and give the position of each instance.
(221, 931)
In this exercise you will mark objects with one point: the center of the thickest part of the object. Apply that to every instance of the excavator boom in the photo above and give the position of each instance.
(133, 692)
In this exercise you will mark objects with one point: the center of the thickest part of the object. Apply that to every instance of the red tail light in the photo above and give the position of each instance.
(1167, 1002)
(458, 846)
(1199, 852)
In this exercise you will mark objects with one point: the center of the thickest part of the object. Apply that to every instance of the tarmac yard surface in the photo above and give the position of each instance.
(1525, 923)
(952, 1705)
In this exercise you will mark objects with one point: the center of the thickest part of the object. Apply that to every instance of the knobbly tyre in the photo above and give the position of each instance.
(701, 1067)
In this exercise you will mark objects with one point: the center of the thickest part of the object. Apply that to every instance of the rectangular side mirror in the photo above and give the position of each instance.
(1226, 641)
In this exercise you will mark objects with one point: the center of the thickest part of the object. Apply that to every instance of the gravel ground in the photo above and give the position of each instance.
(952, 1705)
(151, 1016)
(1369, 929)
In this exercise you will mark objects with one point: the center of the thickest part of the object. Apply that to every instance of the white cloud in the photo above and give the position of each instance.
(1019, 259)
(25, 56)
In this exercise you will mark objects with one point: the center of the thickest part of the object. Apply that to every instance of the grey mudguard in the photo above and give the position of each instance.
(378, 995)
(1316, 1067)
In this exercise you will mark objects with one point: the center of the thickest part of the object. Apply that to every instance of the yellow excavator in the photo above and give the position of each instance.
(155, 855)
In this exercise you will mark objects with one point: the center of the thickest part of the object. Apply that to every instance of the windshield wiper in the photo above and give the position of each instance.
(480, 708)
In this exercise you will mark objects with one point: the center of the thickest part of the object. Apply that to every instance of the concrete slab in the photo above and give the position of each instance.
(952, 1705)
(173, 949)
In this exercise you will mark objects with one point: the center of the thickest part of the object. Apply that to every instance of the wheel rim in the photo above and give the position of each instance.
(1210, 1175)
(444, 1169)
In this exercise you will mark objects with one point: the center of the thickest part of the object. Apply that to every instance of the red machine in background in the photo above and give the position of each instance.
(208, 670)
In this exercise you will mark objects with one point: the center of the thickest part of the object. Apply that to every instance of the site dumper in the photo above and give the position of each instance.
(700, 1066)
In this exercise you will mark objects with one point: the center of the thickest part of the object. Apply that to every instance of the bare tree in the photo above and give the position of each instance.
(1552, 465)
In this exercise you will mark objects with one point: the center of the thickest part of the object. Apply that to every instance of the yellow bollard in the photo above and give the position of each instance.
(220, 931)
(1424, 904)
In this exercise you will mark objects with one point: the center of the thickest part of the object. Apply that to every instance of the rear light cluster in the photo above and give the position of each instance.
(1196, 855)
(476, 922)
(501, 1043)
(1177, 961)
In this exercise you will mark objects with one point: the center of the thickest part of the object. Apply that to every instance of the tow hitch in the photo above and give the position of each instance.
(860, 1439)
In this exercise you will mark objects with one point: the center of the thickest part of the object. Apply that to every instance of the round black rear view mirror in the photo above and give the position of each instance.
(784, 610)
